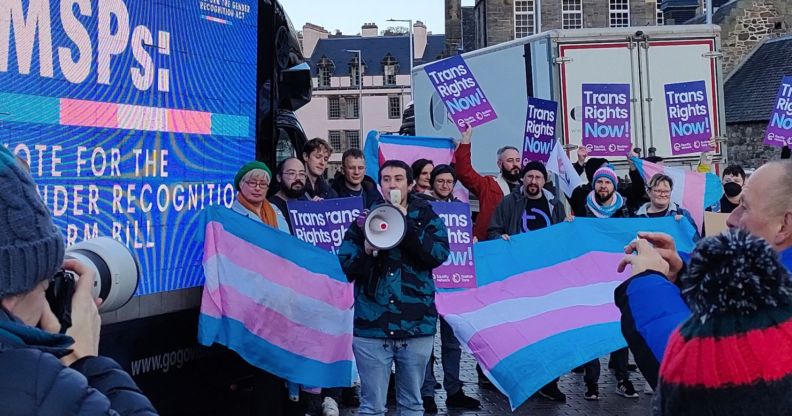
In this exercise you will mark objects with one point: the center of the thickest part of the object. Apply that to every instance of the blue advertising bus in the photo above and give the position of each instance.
(134, 115)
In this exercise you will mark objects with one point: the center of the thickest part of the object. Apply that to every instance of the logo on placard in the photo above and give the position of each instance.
(612, 147)
(456, 278)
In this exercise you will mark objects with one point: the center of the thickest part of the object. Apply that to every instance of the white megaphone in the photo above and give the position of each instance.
(385, 225)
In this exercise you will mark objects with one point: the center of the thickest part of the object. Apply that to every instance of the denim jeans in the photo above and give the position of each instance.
(376, 356)
(451, 353)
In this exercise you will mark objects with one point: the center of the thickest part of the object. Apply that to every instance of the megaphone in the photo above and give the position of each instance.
(384, 227)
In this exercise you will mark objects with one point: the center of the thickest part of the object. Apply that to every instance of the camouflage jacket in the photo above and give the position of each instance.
(394, 292)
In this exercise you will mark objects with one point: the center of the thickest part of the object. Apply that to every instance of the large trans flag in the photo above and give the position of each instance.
(544, 302)
(284, 305)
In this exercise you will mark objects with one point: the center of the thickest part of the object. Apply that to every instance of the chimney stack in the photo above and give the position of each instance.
(311, 35)
(369, 30)
(420, 39)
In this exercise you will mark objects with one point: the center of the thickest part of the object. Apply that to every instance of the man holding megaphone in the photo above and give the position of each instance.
(389, 254)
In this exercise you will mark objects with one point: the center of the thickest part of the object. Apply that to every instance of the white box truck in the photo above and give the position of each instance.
(553, 65)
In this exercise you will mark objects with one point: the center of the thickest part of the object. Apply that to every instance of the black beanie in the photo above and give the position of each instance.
(533, 165)
(592, 166)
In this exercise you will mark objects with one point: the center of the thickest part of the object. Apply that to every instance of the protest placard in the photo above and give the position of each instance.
(540, 125)
(461, 94)
(688, 115)
(458, 271)
(606, 119)
(324, 223)
(715, 223)
(779, 131)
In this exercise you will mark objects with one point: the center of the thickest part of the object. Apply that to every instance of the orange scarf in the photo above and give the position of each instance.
(266, 212)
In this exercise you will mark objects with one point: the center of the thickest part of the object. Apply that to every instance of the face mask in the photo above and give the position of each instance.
(732, 189)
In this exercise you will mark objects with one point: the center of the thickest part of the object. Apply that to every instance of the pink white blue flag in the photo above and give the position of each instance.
(284, 305)
(544, 301)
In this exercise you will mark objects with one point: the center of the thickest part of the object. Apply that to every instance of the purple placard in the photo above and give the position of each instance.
(324, 223)
(458, 271)
(461, 94)
(540, 127)
(606, 119)
(779, 131)
(688, 114)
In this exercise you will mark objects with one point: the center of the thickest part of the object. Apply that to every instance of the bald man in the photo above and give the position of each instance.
(650, 302)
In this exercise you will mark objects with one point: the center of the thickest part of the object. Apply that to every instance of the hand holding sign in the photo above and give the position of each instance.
(461, 94)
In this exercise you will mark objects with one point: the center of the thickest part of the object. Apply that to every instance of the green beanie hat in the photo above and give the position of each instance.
(247, 167)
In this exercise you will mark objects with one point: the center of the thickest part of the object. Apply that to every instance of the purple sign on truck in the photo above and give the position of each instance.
(688, 117)
(461, 94)
(779, 131)
(458, 271)
(540, 127)
(606, 119)
(324, 223)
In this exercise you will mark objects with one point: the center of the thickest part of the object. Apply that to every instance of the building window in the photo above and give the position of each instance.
(351, 107)
(325, 70)
(352, 139)
(572, 14)
(333, 108)
(524, 18)
(619, 13)
(355, 71)
(389, 70)
(660, 18)
(334, 137)
(394, 107)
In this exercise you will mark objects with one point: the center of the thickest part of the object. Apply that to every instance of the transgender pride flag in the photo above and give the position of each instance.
(544, 302)
(693, 191)
(380, 148)
(284, 305)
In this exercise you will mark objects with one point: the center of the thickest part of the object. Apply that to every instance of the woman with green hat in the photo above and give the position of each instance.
(252, 183)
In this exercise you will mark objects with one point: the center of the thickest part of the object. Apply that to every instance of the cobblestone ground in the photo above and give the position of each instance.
(494, 403)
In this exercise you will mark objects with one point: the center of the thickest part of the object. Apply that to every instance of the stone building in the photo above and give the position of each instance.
(750, 94)
(498, 21)
(746, 24)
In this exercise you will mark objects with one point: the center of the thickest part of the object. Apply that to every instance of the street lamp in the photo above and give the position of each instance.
(412, 52)
(360, 90)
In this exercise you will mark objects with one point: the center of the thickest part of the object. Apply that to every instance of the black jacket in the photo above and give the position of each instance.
(322, 189)
(34, 382)
(371, 196)
(508, 215)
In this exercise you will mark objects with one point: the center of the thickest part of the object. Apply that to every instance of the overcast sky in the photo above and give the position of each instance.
(349, 15)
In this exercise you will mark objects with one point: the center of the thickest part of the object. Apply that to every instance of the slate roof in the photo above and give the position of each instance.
(718, 17)
(374, 49)
(751, 91)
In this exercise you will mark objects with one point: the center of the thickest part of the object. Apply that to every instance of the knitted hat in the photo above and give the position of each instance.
(533, 165)
(733, 356)
(606, 172)
(31, 248)
(247, 167)
(441, 169)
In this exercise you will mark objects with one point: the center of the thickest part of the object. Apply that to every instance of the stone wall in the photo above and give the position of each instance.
(745, 145)
(751, 22)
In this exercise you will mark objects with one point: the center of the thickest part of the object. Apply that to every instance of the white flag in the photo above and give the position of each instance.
(560, 164)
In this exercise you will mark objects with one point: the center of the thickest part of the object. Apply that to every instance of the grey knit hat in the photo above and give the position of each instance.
(31, 247)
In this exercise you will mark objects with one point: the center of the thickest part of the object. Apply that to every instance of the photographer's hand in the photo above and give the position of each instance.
(86, 322)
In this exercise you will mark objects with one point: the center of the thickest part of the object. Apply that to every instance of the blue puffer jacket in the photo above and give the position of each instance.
(34, 382)
(652, 307)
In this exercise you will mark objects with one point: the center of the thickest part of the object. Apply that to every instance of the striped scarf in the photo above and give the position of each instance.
(603, 211)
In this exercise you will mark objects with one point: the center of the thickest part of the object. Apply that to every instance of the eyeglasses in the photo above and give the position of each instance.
(444, 181)
(254, 184)
(293, 174)
(661, 192)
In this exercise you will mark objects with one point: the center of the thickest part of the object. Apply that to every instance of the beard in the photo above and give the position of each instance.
(511, 175)
(533, 190)
(294, 191)
(603, 199)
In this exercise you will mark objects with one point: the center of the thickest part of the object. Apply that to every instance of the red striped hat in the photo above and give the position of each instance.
(733, 356)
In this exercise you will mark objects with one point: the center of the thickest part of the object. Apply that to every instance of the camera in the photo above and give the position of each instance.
(117, 275)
